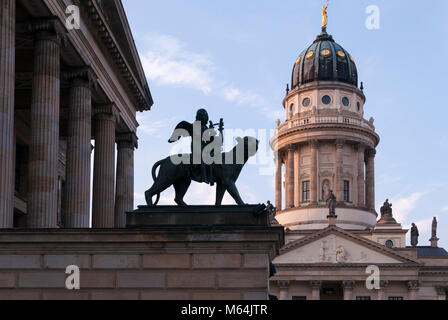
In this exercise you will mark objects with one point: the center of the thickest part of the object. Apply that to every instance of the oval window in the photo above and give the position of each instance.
(341, 54)
(306, 102)
(310, 54)
(326, 100)
(389, 244)
(325, 52)
(345, 101)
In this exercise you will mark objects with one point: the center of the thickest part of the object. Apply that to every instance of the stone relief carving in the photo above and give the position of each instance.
(340, 254)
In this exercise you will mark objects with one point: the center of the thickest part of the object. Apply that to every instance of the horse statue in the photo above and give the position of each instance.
(180, 175)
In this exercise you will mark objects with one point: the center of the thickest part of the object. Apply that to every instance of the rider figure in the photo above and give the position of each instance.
(208, 135)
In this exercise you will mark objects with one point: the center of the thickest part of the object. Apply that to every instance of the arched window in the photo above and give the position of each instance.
(291, 110)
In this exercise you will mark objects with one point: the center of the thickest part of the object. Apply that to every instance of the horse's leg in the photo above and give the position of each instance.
(158, 187)
(181, 188)
(233, 191)
(220, 191)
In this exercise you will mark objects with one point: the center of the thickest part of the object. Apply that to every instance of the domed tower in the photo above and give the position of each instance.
(325, 143)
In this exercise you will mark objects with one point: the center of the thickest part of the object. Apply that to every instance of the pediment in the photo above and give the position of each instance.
(336, 246)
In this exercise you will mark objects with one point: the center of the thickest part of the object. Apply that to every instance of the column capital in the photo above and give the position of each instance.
(360, 146)
(290, 147)
(384, 284)
(83, 76)
(315, 284)
(127, 141)
(413, 285)
(370, 153)
(314, 144)
(340, 143)
(348, 284)
(50, 28)
(441, 290)
(283, 284)
(107, 112)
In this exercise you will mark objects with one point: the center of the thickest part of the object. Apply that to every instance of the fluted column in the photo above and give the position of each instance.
(284, 289)
(44, 119)
(348, 286)
(7, 75)
(314, 193)
(103, 204)
(339, 171)
(315, 289)
(124, 199)
(290, 178)
(370, 179)
(382, 290)
(77, 183)
(361, 176)
(278, 182)
(413, 287)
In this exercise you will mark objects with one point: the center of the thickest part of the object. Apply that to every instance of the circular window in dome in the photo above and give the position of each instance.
(326, 100)
(389, 244)
(341, 54)
(306, 102)
(325, 52)
(351, 58)
(298, 60)
(359, 106)
(345, 101)
(310, 54)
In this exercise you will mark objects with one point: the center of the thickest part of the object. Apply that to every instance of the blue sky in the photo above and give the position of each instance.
(235, 57)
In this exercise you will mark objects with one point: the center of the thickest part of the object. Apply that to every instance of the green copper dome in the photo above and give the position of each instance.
(324, 60)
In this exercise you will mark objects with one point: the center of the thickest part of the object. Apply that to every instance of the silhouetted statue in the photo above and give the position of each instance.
(434, 228)
(414, 235)
(331, 201)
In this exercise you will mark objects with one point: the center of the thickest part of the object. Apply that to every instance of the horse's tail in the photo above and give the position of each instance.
(154, 177)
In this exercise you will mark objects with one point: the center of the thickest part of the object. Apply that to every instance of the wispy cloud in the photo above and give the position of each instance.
(168, 61)
(405, 205)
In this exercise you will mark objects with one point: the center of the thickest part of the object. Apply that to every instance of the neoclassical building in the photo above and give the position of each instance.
(61, 88)
(327, 145)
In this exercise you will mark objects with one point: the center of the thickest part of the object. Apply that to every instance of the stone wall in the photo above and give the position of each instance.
(175, 263)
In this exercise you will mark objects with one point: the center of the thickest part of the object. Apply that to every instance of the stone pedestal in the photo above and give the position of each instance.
(7, 74)
(434, 242)
(203, 260)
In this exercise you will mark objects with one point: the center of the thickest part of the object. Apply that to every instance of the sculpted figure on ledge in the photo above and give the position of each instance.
(207, 163)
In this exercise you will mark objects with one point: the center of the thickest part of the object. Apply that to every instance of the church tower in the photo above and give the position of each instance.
(325, 144)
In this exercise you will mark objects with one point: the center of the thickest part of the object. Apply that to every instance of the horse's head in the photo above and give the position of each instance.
(247, 144)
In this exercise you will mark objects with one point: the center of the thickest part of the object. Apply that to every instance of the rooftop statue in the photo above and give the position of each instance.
(414, 235)
(206, 163)
(325, 16)
(434, 228)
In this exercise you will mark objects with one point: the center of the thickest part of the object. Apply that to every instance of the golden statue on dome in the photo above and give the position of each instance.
(325, 16)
